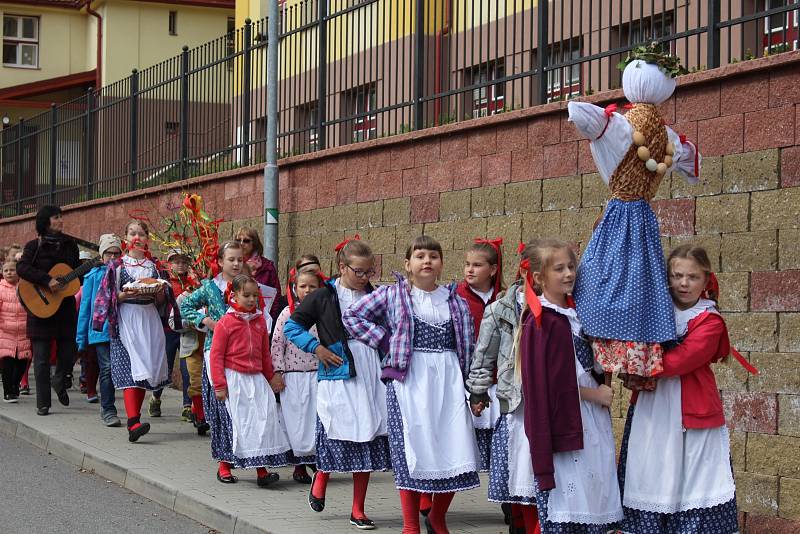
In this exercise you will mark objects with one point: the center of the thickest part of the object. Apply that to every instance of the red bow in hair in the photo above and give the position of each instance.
(520, 248)
(227, 296)
(711, 291)
(531, 298)
(495, 244)
(344, 243)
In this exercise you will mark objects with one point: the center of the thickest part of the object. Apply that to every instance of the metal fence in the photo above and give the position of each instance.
(352, 70)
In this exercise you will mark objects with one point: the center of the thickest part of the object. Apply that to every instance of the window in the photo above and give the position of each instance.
(564, 82)
(364, 101)
(230, 41)
(173, 23)
(776, 22)
(20, 41)
(487, 99)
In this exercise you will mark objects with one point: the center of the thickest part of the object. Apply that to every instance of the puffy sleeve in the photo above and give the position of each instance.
(609, 134)
(687, 160)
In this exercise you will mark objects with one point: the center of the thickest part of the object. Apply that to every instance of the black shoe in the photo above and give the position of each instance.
(25, 390)
(506, 508)
(202, 427)
(63, 397)
(268, 480)
(425, 511)
(315, 503)
(43, 411)
(141, 430)
(227, 479)
(428, 527)
(67, 381)
(301, 478)
(516, 530)
(11, 399)
(362, 523)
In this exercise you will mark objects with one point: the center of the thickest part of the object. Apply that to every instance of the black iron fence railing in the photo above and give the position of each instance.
(352, 70)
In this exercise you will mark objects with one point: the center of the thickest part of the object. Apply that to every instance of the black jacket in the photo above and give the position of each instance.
(37, 259)
(321, 308)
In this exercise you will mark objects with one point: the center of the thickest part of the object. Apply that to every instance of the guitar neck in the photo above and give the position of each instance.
(80, 271)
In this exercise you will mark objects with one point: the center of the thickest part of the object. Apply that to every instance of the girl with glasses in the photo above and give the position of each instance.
(262, 269)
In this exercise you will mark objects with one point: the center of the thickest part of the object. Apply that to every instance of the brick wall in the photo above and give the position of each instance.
(528, 173)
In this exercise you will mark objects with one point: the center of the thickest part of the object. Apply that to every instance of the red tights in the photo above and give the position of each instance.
(197, 408)
(133, 397)
(410, 504)
(360, 484)
(524, 515)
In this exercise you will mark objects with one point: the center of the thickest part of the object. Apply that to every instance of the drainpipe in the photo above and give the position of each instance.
(98, 74)
(445, 30)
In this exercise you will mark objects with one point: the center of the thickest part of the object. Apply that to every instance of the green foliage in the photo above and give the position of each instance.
(654, 55)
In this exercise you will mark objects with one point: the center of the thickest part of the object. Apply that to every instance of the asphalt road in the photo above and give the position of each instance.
(42, 494)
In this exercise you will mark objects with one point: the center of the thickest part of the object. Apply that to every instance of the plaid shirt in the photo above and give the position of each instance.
(383, 320)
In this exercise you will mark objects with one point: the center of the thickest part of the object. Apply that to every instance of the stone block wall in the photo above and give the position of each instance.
(528, 173)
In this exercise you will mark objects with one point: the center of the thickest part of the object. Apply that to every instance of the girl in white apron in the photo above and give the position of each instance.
(296, 379)
(241, 368)
(429, 330)
(138, 354)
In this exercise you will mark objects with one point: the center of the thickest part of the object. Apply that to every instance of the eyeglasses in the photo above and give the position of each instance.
(244, 240)
(360, 273)
(112, 254)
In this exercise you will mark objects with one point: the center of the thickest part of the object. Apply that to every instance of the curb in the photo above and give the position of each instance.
(142, 481)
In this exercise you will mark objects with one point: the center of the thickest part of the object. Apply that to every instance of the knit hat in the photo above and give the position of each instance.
(85, 255)
(108, 241)
(176, 252)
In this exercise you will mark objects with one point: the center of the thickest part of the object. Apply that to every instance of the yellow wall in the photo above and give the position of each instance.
(62, 45)
(137, 33)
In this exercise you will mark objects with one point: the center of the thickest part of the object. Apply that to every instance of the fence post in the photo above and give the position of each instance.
(88, 145)
(53, 119)
(20, 130)
(419, 67)
(184, 111)
(322, 71)
(712, 33)
(134, 100)
(246, 82)
(542, 49)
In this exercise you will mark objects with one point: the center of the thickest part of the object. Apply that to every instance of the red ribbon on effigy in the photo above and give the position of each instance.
(609, 111)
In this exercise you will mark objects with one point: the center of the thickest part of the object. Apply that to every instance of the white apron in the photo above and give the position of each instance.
(354, 409)
(520, 466)
(586, 489)
(671, 469)
(257, 430)
(437, 423)
(142, 334)
(299, 411)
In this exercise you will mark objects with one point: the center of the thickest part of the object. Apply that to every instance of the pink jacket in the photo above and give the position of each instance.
(13, 337)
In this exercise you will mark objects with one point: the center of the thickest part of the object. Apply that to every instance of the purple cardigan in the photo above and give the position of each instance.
(382, 320)
(550, 392)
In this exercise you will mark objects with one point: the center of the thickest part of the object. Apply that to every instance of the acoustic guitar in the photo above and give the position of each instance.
(42, 302)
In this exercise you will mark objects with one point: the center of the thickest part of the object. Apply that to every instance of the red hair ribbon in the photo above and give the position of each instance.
(289, 289)
(744, 363)
(344, 243)
(609, 111)
(570, 301)
(495, 244)
(520, 248)
(711, 291)
(531, 298)
(228, 290)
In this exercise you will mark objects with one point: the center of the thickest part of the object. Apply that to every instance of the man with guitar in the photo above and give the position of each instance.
(39, 256)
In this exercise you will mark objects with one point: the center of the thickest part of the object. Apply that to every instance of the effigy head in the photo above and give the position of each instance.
(648, 75)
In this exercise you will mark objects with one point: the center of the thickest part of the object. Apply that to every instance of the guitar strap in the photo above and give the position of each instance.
(83, 242)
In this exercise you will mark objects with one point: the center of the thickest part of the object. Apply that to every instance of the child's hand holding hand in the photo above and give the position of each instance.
(221, 394)
(605, 396)
(477, 408)
(277, 383)
(210, 323)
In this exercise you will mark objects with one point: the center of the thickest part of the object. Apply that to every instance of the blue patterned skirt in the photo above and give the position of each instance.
(402, 478)
(338, 456)
(622, 275)
(121, 369)
(498, 474)
(719, 519)
(484, 438)
(219, 419)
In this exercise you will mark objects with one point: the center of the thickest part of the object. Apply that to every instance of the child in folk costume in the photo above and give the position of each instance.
(674, 464)
(241, 368)
(127, 298)
(351, 399)
(15, 347)
(566, 415)
(494, 365)
(296, 378)
(427, 329)
(203, 308)
(621, 290)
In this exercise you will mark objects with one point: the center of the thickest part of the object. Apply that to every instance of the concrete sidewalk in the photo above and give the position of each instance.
(173, 466)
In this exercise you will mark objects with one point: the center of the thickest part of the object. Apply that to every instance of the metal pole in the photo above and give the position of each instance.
(542, 51)
(271, 168)
(419, 67)
(88, 145)
(53, 119)
(322, 77)
(246, 75)
(185, 112)
(712, 32)
(20, 130)
(134, 146)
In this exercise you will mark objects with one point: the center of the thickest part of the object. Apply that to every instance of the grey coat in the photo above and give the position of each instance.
(495, 350)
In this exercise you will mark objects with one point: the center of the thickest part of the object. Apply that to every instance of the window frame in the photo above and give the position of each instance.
(367, 125)
(172, 23)
(488, 99)
(18, 41)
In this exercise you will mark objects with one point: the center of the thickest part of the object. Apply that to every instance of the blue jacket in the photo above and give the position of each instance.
(85, 335)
